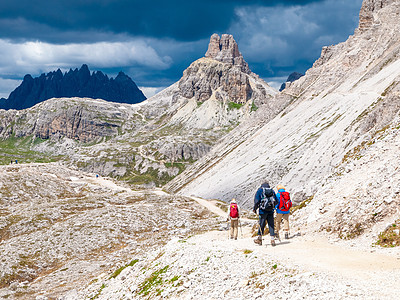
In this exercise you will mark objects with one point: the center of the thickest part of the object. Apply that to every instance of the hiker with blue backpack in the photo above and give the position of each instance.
(233, 216)
(265, 201)
(282, 210)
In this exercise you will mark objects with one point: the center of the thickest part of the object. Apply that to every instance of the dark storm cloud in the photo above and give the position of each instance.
(179, 19)
(154, 41)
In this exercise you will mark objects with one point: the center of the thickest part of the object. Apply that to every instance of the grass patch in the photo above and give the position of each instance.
(151, 282)
(390, 237)
(19, 148)
(247, 251)
(234, 105)
(302, 204)
(99, 292)
(119, 270)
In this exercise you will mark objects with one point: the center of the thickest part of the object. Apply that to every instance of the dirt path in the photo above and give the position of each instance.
(310, 252)
(316, 253)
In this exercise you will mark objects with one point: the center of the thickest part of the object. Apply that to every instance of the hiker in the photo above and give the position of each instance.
(265, 201)
(233, 216)
(282, 210)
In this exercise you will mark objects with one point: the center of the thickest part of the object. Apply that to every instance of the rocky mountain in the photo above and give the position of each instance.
(292, 77)
(337, 113)
(74, 83)
(61, 228)
(332, 138)
(145, 143)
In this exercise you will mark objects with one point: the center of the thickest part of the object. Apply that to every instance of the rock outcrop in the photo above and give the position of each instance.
(368, 9)
(222, 73)
(75, 83)
(226, 50)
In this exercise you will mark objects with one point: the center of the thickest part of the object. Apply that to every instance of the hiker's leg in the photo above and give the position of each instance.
(231, 229)
(278, 222)
(286, 222)
(235, 231)
(270, 220)
(262, 220)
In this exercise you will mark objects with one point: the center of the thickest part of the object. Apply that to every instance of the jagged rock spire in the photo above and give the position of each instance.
(226, 50)
(368, 8)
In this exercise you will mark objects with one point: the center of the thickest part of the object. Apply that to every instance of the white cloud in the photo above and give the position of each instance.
(150, 91)
(36, 57)
(7, 86)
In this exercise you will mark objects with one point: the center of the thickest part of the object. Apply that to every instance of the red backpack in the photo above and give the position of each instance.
(234, 212)
(284, 202)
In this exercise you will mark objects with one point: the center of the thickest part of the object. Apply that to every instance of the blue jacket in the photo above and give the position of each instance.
(258, 197)
(278, 196)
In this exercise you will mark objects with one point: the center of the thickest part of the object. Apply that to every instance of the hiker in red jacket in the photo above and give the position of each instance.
(234, 215)
(282, 211)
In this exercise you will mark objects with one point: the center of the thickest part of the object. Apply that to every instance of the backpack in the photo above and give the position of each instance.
(284, 202)
(267, 199)
(234, 212)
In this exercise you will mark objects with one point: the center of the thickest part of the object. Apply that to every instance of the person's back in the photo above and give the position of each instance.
(233, 216)
(283, 210)
(265, 201)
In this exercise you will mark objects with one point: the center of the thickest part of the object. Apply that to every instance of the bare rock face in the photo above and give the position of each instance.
(205, 76)
(226, 50)
(369, 7)
(73, 118)
(223, 72)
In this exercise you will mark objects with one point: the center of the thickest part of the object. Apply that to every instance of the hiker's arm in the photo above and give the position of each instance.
(275, 199)
(256, 201)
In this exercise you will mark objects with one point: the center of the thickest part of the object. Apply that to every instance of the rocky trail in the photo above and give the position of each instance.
(308, 265)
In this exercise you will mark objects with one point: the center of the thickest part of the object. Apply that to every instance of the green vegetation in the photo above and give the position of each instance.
(99, 292)
(234, 105)
(119, 270)
(391, 236)
(302, 204)
(247, 251)
(151, 282)
(253, 107)
(19, 148)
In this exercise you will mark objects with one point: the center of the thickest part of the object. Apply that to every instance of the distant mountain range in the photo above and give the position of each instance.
(74, 83)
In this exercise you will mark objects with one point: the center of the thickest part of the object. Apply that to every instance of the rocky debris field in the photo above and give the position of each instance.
(60, 228)
(209, 266)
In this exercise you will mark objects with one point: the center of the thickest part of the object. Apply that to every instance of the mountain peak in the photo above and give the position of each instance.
(368, 12)
(75, 83)
(226, 50)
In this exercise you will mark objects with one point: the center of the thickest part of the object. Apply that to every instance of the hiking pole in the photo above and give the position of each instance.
(241, 232)
(259, 228)
(228, 227)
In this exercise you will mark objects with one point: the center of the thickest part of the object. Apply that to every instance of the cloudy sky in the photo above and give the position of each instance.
(154, 41)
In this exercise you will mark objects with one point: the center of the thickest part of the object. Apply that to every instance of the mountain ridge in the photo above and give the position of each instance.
(74, 83)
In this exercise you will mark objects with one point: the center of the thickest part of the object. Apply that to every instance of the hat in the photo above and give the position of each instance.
(280, 187)
(233, 200)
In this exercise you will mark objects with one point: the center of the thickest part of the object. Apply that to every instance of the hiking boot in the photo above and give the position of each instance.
(273, 243)
(286, 235)
(258, 240)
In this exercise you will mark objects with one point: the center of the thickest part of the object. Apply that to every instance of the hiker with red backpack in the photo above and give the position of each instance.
(233, 216)
(282, 211)
(265, 201)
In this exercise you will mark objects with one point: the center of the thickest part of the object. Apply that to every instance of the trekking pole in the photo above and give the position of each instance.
(227, 226)
(259, 228)
(241, 232)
